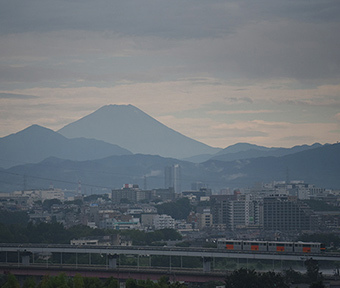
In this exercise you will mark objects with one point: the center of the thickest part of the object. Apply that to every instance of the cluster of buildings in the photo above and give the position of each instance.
(277, 206)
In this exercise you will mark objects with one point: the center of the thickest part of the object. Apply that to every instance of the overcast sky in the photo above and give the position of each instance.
(265, 72)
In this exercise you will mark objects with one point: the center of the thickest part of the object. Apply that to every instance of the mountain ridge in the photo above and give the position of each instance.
(240, 151)
(35, 143)
(317, 166)
(130, 127)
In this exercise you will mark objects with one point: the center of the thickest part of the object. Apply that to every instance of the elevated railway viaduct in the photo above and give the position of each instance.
(21, 259)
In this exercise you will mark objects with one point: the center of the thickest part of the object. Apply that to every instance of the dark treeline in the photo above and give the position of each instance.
(44, 233)
(242, 278)
(56, 233)
(245, 278)
(178, 210)
(78, 281)
(329, 239)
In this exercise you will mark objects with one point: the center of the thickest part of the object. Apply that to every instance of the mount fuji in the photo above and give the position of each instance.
(130, 128)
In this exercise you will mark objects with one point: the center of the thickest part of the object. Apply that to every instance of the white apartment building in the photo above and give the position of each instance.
(41, 194)
(112, 223)
(163, 221)
(243, 212)
(204, 220)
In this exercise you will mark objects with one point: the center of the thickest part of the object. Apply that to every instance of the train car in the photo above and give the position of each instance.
(271, 246)
(232, 245)
(255, 246)
(308, 247)
(280, 246)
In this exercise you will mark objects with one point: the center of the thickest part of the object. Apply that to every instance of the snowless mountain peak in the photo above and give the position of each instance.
(133, 129)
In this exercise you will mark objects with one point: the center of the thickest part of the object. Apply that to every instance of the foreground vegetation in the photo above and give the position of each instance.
(78, 281)
(242, 278)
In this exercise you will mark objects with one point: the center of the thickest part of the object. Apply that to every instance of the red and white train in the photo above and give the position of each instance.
(270, 246)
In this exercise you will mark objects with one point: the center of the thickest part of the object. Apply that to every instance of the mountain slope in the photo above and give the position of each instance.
(131, 128)
(95, 175)
(36, 143)
(247, 151)
(319, 166)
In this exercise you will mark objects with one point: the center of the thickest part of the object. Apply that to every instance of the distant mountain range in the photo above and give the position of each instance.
(131, 128)
(319, 166)
(247, 151)
(36, 143)
(36, 156)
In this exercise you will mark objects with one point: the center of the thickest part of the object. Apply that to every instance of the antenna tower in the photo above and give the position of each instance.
(145, 185)
(79, 188)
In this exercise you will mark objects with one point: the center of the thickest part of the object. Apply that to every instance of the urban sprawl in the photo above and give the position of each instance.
(267, 211)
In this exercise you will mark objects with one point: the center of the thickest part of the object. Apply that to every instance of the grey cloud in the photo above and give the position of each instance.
(168, 18)
(16, 96)
(299, 139)
(29, 74)
(326, 101)
(242, 39)
(175, 18)
(307, 52)
(47, 73)
(240, 99)
(245, 133)
(302, 10)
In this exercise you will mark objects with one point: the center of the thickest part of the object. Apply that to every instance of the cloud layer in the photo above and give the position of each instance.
(265, 72)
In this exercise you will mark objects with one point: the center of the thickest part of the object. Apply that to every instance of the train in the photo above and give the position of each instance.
(271, 246)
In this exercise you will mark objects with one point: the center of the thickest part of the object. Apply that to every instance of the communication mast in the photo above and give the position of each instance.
(79, 188)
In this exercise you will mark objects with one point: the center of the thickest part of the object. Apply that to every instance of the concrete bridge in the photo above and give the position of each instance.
(23, 260)
(121, 274)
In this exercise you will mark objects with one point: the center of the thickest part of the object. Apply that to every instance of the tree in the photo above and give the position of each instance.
(163, 282)
(11, 282)
(92, 282)
(292, 276)
(318, 284)
(111, 283)
(131, 283)
(170, 234)
(177, 285)
(183, 244)
(329, 239)
(146, 284)
(271, 279)
(177, 210)
(17, 217)
(45, 282)
(243, 278)
(60, 281)
(29, 283)
(313, 274)
(78, 281)
(48, 203)
(6, 235)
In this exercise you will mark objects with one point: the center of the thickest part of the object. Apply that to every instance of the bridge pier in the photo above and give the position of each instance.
(113, 261)
(25, 258)
(207, 264)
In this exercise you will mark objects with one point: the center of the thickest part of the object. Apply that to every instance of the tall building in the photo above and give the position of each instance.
(286, 213)
(172, 177)
(219, 210)
(236, 211)
(204, 219)
(244, 212)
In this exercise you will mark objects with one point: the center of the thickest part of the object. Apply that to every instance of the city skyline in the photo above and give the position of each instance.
(265, 73)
